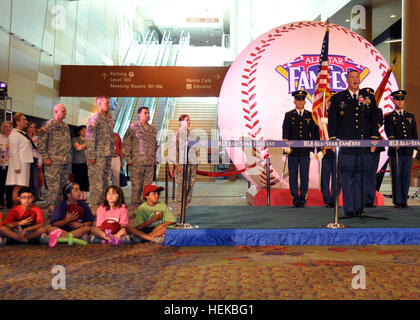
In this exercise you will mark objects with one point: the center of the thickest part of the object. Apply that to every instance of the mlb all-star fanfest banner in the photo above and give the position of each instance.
(410, 143)
(256, 92)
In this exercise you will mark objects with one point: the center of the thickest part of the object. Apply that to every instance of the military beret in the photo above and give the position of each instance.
(299, 93)
(368, 90)
(398, 93)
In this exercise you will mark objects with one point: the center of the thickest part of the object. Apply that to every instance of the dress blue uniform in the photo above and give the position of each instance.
(373, 157)
(328, 175)
(352, 117)
(399, 127)
(299, 127)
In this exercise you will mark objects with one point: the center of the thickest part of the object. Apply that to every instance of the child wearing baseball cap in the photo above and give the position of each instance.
(152, 216)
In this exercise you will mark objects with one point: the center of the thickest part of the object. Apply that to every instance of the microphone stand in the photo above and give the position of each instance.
(363, 214)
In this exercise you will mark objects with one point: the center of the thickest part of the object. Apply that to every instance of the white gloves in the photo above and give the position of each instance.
(311, 155)
(287, 150)
(414, 154)
(324, 120)
(320, 155)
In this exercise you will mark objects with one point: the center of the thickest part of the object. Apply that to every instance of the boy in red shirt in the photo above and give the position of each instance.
(23, 222)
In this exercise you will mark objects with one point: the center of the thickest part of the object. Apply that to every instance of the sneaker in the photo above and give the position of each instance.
(92, 239)
(44, 239)
(3, 241)
(159, 240)
(126, 239)
(136, 240)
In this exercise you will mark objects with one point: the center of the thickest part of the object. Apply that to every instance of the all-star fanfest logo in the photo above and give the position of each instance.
(301, 73)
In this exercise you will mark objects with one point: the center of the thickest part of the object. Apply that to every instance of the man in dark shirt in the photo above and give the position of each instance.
(352, 117)
(400, 125)
(299, 125)
(373, 157)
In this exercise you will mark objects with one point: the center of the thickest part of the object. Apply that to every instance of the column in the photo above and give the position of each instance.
(411, 65)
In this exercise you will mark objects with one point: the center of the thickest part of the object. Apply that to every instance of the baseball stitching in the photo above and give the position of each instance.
(248, 94)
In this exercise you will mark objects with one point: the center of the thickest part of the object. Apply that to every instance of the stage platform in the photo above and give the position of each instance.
(283, 225)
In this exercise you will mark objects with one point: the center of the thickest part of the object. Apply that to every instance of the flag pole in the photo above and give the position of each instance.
(322, 138)
(336, 224)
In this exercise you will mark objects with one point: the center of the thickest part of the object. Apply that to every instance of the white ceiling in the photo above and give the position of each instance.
(207, 21)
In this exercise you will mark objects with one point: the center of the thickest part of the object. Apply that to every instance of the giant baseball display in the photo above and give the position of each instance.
(255, 94)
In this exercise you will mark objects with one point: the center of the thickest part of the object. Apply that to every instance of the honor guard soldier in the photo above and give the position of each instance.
(328, 172)
(351, 117)
(299, 125)
(400, 125)
(373, 156)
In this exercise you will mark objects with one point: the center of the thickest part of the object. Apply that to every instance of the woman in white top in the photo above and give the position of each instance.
(176, 156)
(6, 128)
(20, 156)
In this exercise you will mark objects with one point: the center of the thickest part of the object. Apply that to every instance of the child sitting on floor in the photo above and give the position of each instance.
(112, 214)
(152, 216)
(72, 215)
(23, 222)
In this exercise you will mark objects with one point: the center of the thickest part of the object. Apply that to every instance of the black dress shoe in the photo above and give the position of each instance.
(404, 205)
(370, 205)
(329, 205)
(358, 213)
(397, 205)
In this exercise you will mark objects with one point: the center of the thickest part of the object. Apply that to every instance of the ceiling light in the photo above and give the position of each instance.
(392, 16)
(347, 20)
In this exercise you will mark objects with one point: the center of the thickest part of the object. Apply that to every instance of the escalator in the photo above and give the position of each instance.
(149, 53)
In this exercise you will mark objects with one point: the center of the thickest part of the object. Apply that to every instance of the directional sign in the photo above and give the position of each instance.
(141, 81)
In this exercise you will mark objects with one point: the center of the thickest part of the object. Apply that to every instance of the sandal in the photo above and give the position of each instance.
(54, 235)
(159, 239)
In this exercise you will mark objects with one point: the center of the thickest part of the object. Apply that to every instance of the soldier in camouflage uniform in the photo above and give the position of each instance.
(176, 156)
(139, 150)
(99, 151)
(54, 145)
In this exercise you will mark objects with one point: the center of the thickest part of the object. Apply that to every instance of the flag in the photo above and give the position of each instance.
(381, 88)
(322, 89)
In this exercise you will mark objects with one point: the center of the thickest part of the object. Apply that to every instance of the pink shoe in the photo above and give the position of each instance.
(54, 235)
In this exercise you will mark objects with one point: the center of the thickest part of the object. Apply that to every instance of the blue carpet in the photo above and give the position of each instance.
(292, 237)
(279, 225)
